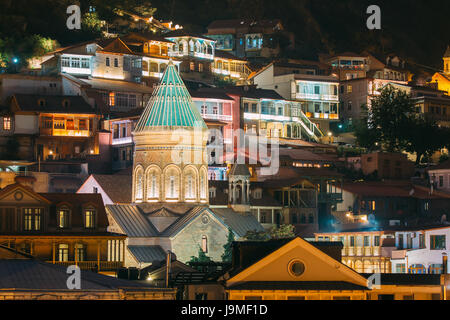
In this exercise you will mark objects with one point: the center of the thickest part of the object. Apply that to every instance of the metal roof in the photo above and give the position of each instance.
(147, 254)
(240, 223)
(37, 275)
(132, 221)
(170, 105)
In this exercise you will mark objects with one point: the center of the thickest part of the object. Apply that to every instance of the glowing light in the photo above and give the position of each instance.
(330, 134)
(92, 151)
(149, 278)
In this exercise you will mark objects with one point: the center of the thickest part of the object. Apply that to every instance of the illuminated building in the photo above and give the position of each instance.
(168, 208)
(246, 38)
(306, 82)
(442, 79)
(63, 229)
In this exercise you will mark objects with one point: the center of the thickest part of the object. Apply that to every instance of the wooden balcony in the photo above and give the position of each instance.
(91, 265)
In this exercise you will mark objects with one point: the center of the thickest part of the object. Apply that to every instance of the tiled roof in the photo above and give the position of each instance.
(210, 95)
(239, 170)
(36, 275)
(226, 55)
(183, 33)
(296, 285)
(117, 187)
(147, 254)
(403, 189)
(179, 224)
(132, 222)
(53, 104)
(116, 85)
(170, 105)
(442, 166)
(246, 91)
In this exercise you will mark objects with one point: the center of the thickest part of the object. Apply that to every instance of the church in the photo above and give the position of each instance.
(169, 209)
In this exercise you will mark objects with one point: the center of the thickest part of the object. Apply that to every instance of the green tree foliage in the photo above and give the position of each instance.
(228, 250)
(202, 257)
(394, 126)
(285, 231)
(91, 23)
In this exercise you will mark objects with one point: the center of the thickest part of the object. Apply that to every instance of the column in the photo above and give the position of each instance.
(244, 196)
(54, 253)
(259, 215)
(273, 216)
(229, 192)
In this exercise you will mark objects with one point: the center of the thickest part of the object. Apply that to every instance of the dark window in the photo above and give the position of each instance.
(437, 242)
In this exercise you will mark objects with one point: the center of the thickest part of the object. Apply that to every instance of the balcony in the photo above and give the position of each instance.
(322, 115)
(65, 132)
(219, 117)
(91, 265)
(330, 197)
(123, 140)
(313, 96)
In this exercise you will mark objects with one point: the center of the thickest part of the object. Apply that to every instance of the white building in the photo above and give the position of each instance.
(421, 250)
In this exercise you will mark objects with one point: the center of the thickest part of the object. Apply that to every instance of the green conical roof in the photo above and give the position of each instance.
(170, 105)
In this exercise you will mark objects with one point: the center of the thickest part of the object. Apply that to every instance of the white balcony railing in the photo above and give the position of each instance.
(219, 117)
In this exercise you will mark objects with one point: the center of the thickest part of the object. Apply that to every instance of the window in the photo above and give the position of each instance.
(349, 89)
(89, 218)
(421, 241)
(296, 268)
(116, 62)
(400, 268)
(376, 241)
(63, 252)
(63, 218)
(192, 66)
(366, 241)
(32, 219)
(107, 62)
(441, 181)
(204, 244)
(435, 269)
(80, 252)
(94, 190)
(200, 67)
(352, 241)
(172, 187)
(85, 63)
(212, 192)
(437, 242)
(65, 61)
(417, 269)
(7, 123)
(400, 241)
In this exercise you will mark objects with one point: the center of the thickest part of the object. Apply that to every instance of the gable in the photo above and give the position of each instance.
(318, 266)
(18, 194)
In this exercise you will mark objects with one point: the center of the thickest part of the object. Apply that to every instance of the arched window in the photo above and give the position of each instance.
(204, 244)
(189, 187)
(139, 191)
(63, 252)
(172, 187)
(62, 217)
(191, 46)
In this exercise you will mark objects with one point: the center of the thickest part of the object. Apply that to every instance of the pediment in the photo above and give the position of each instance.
(20, 194)
(311, 264)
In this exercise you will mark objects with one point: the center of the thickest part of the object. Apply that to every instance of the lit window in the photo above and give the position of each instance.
(192, 66)
(89, 218)
(80, 252)
(204, 244)
(63, 218)
(349, 89)
(111, 99)
(32, 219)
(63, 252)
(7, 123)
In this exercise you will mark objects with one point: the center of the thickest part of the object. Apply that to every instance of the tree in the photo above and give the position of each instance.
(425, 138)
(391, 116)
(202, 257)
(284, 231)
(393, 125)
(228, 250)
(253, 235)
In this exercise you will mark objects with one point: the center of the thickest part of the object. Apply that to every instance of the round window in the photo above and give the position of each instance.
(296, 268)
